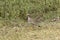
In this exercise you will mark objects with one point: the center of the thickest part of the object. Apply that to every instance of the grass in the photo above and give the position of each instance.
(16, 10)
(47, 31)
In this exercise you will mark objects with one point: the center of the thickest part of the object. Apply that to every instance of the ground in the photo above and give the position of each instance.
(46, 31)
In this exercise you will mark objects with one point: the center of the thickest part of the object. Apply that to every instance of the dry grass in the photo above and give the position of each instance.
(47, 31)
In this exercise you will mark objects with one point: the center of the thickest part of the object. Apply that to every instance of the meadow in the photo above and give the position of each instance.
(46, 31)
(14, 25)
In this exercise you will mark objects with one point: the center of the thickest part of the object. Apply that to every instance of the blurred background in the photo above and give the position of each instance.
(18, 9)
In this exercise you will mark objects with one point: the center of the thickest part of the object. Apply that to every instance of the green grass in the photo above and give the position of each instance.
(18, 9)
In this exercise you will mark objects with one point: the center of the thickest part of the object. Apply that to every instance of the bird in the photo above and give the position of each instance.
(30, 20)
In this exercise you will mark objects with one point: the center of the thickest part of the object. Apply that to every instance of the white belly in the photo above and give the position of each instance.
(30, 20)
